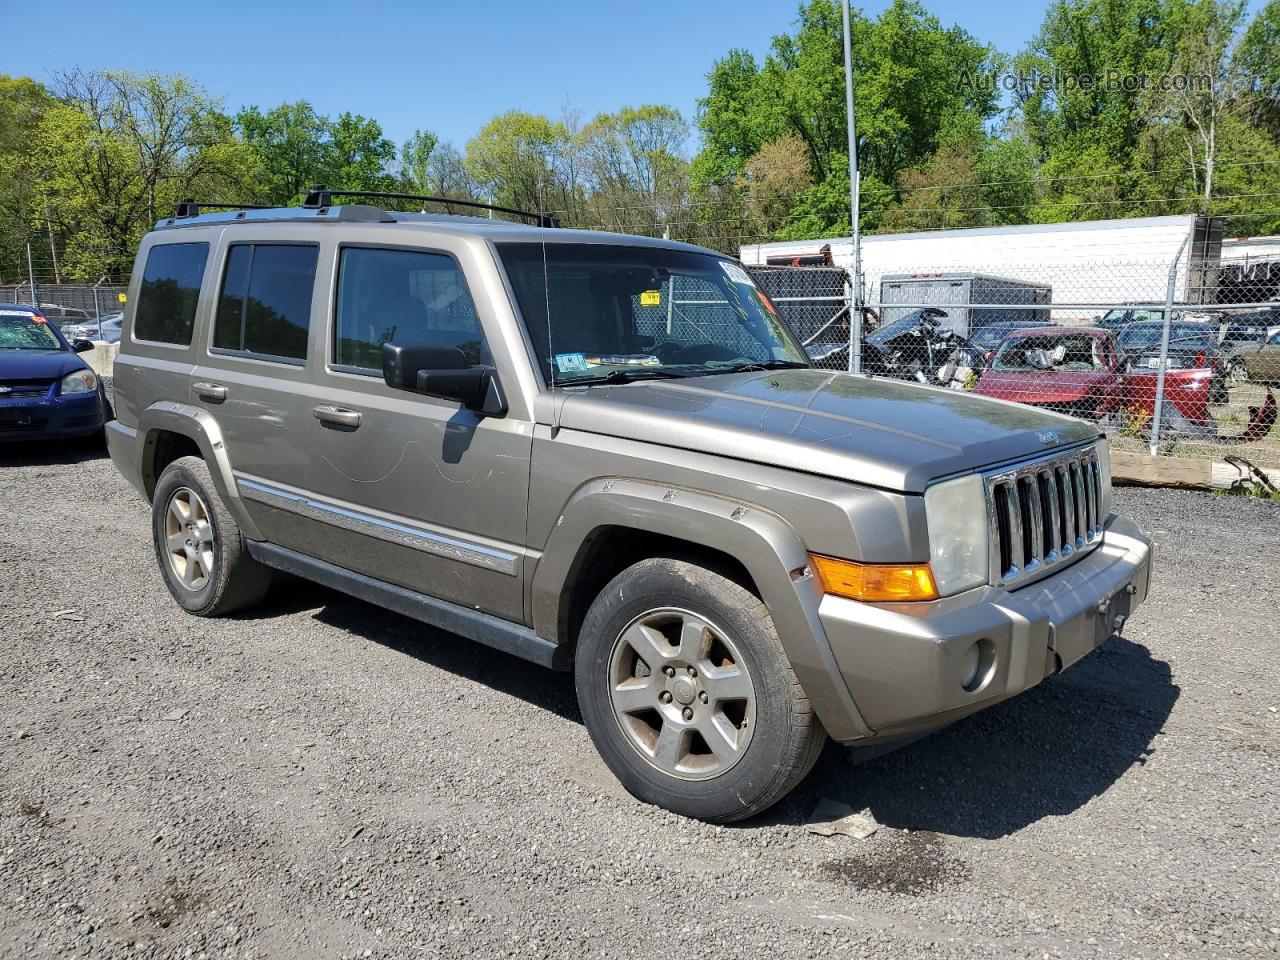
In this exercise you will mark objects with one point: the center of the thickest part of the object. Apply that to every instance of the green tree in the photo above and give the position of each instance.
(526, 161)
(289, 140)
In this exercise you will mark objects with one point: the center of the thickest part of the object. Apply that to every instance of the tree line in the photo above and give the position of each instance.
(1116, 108)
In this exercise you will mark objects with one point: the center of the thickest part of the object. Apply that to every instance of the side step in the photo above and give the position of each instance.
(512, 638)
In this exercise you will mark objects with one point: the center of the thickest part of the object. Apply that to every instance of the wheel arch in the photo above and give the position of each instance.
(741, 541)
(168, 431)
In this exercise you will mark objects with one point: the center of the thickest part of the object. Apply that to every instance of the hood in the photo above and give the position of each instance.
(38, 364)
(881, 432)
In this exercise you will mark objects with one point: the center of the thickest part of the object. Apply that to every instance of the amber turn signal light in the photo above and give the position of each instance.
(883, 582)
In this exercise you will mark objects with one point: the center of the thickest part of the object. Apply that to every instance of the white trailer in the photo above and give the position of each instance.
(1091, 266)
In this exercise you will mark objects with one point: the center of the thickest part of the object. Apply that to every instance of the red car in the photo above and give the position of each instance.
(1080, 371)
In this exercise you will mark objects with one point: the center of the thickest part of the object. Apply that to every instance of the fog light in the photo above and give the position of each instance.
(978, 665)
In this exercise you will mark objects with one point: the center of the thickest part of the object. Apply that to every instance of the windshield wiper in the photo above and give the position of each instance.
(765, 365)
(620, 376)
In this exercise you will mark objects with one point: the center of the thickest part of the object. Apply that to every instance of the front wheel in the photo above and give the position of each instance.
(1238, 372)
(688, 695)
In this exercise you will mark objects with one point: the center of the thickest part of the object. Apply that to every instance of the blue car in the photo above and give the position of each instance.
(46, 391)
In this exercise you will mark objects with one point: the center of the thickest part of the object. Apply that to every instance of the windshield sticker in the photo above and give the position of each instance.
(766, 303)
(651, 298)
(570, 362)
(15, 313)
(736, 273)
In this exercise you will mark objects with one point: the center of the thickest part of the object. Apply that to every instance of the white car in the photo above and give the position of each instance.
(106, 329)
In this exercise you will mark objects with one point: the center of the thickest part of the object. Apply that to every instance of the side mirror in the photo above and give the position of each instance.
(442, 372)
(81, 346)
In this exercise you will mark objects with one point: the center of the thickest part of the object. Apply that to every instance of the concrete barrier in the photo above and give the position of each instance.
(102, 358)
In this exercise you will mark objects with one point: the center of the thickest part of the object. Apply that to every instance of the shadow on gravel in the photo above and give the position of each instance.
(1045, 753)
(34, 453)
(545, 689)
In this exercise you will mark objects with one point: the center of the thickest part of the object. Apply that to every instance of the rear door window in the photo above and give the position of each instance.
(264, 308)
(170, 291)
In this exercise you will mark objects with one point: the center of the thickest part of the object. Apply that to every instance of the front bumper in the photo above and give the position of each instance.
(77, 415)
(906, 665)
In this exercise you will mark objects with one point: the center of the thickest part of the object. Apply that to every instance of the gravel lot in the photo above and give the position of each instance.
(322, 779)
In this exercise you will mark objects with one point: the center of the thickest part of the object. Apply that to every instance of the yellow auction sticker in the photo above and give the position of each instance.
(121, 297)
(651, 298)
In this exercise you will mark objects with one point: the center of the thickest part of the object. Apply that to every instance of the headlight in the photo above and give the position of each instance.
(1104, 470)
(79, 381)
(959, 551)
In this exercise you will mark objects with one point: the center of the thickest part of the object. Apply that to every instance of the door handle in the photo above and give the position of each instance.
(338, 416)
(213, 392)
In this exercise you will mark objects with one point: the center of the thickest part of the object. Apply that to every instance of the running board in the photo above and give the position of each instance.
(512, 638)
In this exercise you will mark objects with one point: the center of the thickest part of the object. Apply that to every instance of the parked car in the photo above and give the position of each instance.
(1080, 371)
(501, 430)
(46, 390)
(1121, 317)
(105, 328)
(1191, 347)
(61, 316)
(1258, 360)
(1068, 369)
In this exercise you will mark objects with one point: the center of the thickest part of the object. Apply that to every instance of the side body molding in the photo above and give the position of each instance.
(761, 541)
(201, 427)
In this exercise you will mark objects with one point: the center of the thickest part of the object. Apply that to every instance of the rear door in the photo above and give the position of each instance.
(256, 359)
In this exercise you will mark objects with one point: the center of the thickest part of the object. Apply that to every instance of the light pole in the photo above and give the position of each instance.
(855, 301)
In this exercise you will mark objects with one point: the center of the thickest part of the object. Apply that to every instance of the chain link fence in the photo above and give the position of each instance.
(68, 302)
(1172, 357)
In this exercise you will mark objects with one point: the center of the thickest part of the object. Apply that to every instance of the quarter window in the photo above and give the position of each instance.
(405, 297)
(170, 290)
(265, 305)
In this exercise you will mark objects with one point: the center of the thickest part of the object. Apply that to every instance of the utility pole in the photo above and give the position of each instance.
(31, 275)
(855, 301)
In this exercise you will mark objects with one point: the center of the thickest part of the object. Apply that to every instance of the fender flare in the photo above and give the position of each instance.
(201, 428)
(762, 542)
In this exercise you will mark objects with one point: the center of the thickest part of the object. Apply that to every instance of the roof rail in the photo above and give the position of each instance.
(191, 208)
(320, 196)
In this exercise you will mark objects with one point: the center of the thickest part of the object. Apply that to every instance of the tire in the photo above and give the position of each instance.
(649, 726)
(218, 576)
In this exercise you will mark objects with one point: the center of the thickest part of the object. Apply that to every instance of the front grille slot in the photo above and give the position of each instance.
(25, 389)
(1043, 513)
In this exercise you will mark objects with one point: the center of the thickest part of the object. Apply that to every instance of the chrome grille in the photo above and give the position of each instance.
(1043, 514)
(14, 389)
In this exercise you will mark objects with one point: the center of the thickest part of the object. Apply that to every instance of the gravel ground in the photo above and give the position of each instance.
(319, 778)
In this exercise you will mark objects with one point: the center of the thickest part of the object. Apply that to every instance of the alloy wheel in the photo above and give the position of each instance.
(189, 540)
(682, 694)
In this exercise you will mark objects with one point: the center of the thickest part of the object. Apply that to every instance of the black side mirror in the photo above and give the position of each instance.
(81, 346)
(442, 372)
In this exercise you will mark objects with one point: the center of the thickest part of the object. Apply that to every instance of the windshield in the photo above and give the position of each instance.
(596, 312)
(1057, 353)
(24, 331)
(1141, 336)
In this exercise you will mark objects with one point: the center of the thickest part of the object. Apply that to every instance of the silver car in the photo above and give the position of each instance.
(607, 454)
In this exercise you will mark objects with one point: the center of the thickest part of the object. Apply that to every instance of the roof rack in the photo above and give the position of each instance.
(320, 196)
(190, 208)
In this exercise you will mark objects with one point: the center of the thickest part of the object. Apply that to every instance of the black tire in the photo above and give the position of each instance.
(787, 736)
(237, 580)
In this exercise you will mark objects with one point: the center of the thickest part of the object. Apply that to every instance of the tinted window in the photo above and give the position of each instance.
(265, 304)
(402, 296)
(170, 289)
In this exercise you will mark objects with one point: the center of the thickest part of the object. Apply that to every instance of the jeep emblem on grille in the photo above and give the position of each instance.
(1048, 437)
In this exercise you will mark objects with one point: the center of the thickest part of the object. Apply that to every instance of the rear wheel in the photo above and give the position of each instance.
(202, 554)
(1238, 371)
(688, 695)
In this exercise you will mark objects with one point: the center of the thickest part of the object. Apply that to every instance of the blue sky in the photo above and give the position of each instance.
(446, 67)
